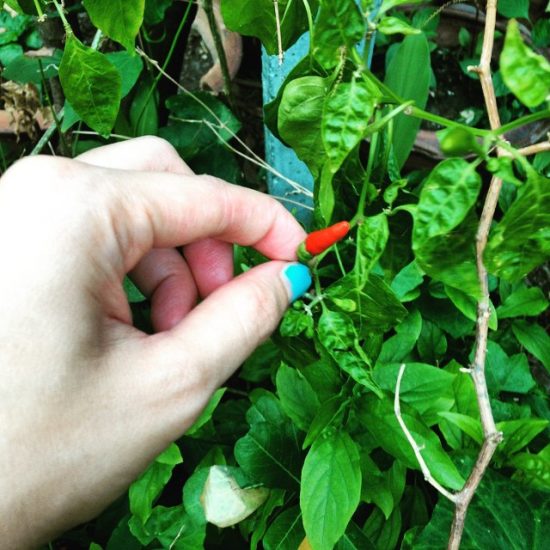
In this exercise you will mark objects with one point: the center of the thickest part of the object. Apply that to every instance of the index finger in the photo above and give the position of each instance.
(163, 210)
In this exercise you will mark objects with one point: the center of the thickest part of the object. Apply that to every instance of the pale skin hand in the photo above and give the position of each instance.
(86, 400)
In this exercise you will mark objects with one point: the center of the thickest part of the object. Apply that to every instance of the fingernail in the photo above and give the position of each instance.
(298, 277)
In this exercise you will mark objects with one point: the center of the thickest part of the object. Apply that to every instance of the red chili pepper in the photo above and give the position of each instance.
(318, 241)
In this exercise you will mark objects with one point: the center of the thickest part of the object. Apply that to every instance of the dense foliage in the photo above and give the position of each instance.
(304, 442)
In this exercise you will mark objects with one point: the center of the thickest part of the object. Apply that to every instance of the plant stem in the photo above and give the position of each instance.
(218, 43)
(540, 115)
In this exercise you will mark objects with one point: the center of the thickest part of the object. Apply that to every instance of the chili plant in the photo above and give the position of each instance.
(410, 385)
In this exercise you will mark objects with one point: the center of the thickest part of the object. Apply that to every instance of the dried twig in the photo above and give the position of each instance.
(492, 437)
(417, 450)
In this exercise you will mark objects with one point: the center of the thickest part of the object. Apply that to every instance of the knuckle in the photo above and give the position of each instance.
(159, 147)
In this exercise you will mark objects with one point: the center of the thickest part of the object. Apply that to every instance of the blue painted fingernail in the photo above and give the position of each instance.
(299, 279)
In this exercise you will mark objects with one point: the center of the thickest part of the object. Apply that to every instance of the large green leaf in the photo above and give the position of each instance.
(535, 340)
(378, 416)
(426, 388)
(524, 301)
(503, 514)
(447, 196)
(533, 469)
(408, 75)
(346, 114)
(91, 84)
(270, 452)
(444, 225)
(330, 489)
(300, 116)
(526, 73)
(257, 18)
(340, 25)
(298, 398)
(118, 19)
(148, 486)
(509, 374)
(521, 240)
(402, 343)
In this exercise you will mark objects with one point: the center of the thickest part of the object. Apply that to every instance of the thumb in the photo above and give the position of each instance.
(223, 330)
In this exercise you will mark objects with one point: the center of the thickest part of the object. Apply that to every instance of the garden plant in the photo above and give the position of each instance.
(403, 402)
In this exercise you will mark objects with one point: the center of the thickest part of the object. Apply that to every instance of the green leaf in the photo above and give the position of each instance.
(133, 293)
(393, 25)
(8, 53)
(519, 433)
(27, 69)
(207, 412)
(509, 374)
(149, 485)
(172, 527)
(298, 399)
(526, 73)
(533, 469)
(525, 301)
(513, 8)
(503, 514)
(300, 116)
(336, 330)
(13, 26)
(446, 197)
(521, 240)
(330, 413)
(340, 25)
(257, 18)
(432, 343)
(470, 426)
(442, 232)
(385, 534)
(270, 452)
(346, 114)
(378, 416)
(468, 306)
(144, 117)
(155, 11)
(372, 236)
(275, 500)
(330, 489)
(129, 68)
(118, 19)
(295, 323)
(286, 532)
(91, 84)
(402, 343)
(427, 389)
(377, 308)
(406, 281)
(408, 75)
(534, 339)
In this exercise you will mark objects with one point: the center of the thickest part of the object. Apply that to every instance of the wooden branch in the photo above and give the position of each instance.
(492, 437)
(417, 450)
(530, 149)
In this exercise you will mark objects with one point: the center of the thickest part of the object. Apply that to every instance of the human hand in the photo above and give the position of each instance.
(86, 400)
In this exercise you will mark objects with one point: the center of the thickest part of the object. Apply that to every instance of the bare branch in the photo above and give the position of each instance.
(417, 450)
(477, 370)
